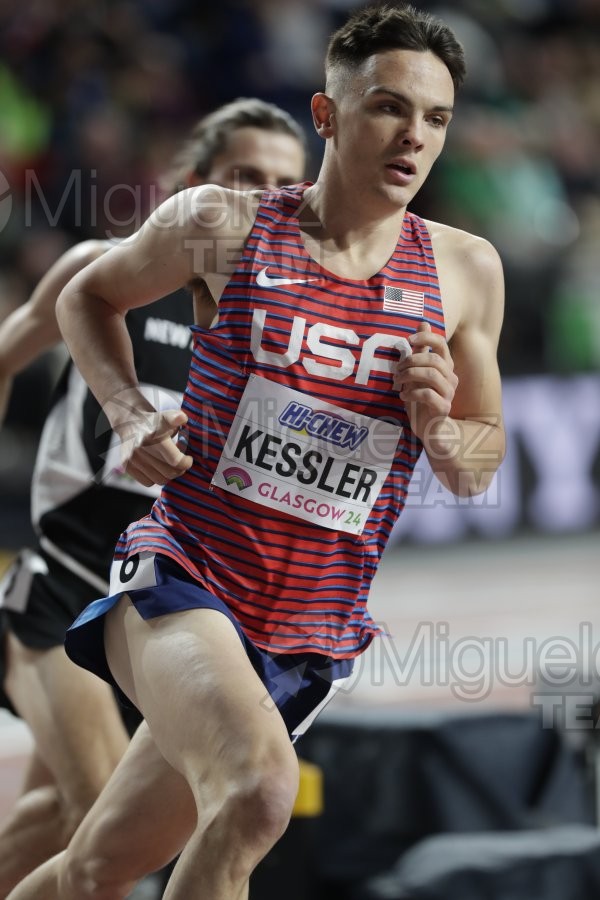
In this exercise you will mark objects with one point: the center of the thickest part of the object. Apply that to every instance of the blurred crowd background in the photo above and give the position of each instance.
(95, 98)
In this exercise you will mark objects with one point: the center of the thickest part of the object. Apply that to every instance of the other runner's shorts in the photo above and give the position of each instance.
(298, 684)
(39, 599)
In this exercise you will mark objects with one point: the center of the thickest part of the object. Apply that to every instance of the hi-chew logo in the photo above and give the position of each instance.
(237, 476)
(318, 423)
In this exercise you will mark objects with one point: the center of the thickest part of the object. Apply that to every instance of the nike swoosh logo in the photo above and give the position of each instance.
(268, 281)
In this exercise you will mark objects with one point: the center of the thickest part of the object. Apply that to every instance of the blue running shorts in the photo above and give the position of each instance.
(298, 684)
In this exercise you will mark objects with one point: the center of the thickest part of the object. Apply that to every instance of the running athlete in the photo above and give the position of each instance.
(350, 335)
(82, 500)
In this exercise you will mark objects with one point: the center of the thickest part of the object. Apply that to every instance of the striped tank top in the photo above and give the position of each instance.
(302, 450)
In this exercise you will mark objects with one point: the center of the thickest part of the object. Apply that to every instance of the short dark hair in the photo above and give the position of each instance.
(209, 136)
(375, 29)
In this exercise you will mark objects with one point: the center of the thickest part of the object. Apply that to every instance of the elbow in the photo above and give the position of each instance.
(468, 482)
(472, 484)
(476, 479)
(471, 472)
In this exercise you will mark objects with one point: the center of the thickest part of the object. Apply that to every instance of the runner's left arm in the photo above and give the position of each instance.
(452, 390)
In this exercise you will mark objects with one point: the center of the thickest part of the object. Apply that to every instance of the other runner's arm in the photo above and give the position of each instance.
(31, 329)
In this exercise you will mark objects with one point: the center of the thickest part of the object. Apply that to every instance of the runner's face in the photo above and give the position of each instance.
(257, 158)
(391, 122)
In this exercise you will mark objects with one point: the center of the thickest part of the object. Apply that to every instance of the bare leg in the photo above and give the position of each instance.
(29, 835)
(79, 738)
(190, 676)
(41, 882)
(139, 823)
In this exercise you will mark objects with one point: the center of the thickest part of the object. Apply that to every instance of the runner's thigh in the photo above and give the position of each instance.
(189, 675)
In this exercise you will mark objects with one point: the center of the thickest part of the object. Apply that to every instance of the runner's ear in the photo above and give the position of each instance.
(323, 114)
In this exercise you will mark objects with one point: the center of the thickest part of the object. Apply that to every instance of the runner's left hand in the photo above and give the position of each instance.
(426, 381)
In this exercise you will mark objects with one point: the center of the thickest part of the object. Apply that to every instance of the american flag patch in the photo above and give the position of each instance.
(397, 300)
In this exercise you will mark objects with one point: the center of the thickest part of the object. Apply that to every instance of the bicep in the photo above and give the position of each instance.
(178, 242)
(135, 272)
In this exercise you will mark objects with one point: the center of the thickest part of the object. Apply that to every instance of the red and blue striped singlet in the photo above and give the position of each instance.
(324, 346)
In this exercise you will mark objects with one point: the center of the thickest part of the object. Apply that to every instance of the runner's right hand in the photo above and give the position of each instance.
(148, 452)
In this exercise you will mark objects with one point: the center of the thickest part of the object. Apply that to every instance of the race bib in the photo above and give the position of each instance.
(308, 458)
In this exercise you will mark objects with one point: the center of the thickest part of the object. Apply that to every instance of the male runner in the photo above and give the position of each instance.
(350, 335)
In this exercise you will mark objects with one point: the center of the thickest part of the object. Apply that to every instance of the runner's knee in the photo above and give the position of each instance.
(267, 805)
(257, 809)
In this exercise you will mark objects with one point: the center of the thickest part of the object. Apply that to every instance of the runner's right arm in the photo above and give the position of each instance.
(191, 235)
